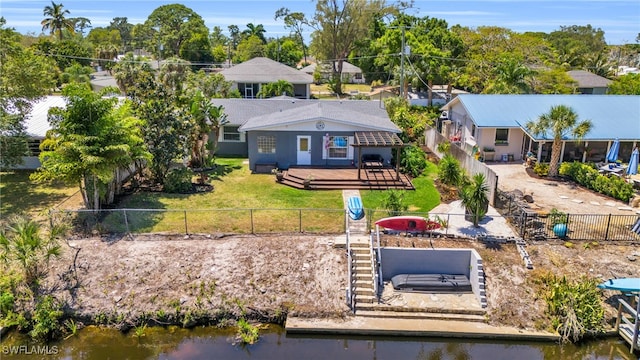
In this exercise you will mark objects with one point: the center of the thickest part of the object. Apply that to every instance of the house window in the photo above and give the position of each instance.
(266, 144)
(502, 136)
(473, 130)
(230, 133)
(338, 147)
(358, 76)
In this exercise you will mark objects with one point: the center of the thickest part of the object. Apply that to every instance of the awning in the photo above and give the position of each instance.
(377, 139)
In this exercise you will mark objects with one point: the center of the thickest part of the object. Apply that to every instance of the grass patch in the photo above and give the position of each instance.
(18, 194)
(422, 200)
(243, 202)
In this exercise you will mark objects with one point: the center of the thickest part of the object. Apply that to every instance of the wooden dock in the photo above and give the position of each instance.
(627, 324)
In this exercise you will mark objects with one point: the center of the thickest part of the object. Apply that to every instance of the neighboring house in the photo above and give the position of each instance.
(286, 132)
(351, 74)
(590, 83)
(37, 125)
(249, 76)
(497, 122)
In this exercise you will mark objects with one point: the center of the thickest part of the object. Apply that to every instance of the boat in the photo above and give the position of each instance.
(408, 223)
(354, 205)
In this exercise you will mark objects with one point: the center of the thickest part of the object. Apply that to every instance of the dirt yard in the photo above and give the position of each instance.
(160, 275)
(548, 194)
(156, 276)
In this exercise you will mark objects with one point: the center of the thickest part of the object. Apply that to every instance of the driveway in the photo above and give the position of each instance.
(549, 194)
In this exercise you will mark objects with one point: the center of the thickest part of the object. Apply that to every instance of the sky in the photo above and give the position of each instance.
(620, 19)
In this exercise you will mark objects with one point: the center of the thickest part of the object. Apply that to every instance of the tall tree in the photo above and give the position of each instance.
(575, 44)
(338, 26)
(284, 50)
(206, 119)
(255, 30)
(561, 122)
(171, 26)
(80, 24)
(55, 20)
(294, 21)
(122, 25)
(90, 140)
(511, 77)
(248, 49)
(628, 84)
(25, 77)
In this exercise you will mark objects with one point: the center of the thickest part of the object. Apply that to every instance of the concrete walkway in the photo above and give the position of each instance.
(356, 227)
(359, 325)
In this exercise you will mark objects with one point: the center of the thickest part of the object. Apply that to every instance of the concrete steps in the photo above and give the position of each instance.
(423, 315)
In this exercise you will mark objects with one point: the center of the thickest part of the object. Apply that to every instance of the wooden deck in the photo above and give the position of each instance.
(346, 178)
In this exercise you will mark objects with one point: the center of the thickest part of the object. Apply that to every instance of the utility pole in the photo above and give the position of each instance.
(402, 66)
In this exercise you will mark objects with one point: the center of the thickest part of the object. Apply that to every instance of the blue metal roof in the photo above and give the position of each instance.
(612, 116)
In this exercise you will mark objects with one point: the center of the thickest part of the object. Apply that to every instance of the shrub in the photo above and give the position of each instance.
(574, 306)
(414, 160)
(558, 217)
(178, 181)
(541, 169)
(247, 333)
(46, 319)
(449, 171)
(588, 176)
(393, 202)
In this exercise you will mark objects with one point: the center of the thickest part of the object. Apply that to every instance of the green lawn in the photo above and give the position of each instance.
(240, 202)
(18, 194)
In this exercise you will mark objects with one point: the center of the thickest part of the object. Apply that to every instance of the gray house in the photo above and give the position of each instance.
(249, 76)
(590, 83)
(286, 132)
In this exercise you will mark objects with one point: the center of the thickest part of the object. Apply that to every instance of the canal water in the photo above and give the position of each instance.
(212, 343)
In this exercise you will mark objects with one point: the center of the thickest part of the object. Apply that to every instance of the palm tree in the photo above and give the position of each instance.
(255, 30)
(278, 88)
(560, 122)
(207, 118)
(55, 20)
(475, 199)
(24, 244)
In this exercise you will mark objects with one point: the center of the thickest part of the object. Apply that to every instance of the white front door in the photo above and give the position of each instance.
(304, 150)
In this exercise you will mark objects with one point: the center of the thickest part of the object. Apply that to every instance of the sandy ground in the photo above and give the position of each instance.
(300, 275)
(564, 196)
(304, 275)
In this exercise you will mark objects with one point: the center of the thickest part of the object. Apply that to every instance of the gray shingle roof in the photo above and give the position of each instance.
(263, 70)
(256, 114)
(586, 79)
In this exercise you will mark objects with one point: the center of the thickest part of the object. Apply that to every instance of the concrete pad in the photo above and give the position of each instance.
(563, 197)
(625, 208)
(356, 325)
(594, 203)
(577, 201)
(610, 203)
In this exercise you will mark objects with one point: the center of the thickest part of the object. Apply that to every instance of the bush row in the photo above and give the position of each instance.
(589, 177)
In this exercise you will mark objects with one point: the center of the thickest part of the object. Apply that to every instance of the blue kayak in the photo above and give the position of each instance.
(354, 205)
(631, 285)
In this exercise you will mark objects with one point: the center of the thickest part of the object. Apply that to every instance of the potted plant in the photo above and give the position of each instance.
(307, 182)
(488, 153)
(279, 174)
(475, 199)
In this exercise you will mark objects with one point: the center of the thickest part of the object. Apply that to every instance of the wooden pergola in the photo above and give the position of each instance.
(378, 139)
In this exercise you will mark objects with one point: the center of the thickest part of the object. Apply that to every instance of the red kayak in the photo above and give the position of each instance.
(408, 223)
